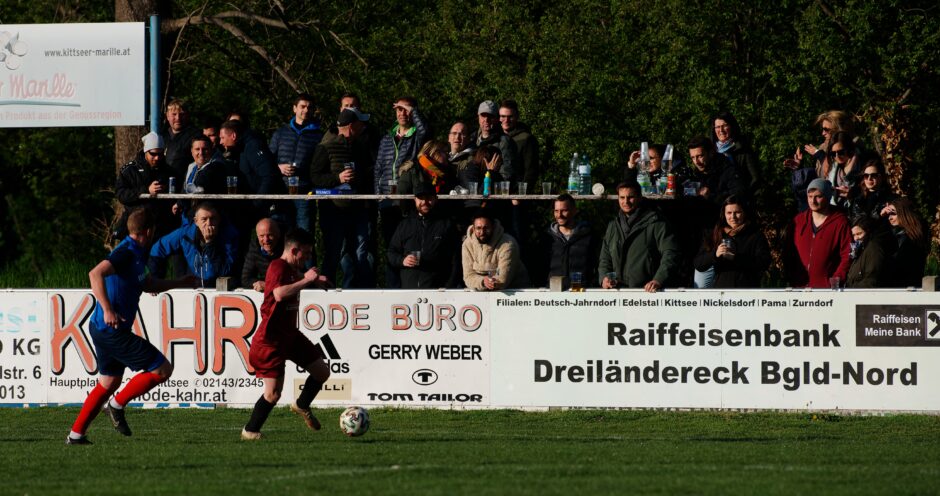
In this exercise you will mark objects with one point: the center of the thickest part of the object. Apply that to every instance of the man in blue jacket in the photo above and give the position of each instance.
(209, 245)
(398, 146)
(293, 146)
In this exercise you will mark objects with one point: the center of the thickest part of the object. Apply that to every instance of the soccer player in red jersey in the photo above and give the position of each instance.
(278, 338)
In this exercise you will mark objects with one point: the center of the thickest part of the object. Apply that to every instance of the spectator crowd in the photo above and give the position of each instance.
(850, 231)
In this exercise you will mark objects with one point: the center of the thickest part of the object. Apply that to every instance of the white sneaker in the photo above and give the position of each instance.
(250, 436)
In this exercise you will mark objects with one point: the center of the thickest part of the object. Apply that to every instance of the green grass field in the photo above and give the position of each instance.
(475, 452)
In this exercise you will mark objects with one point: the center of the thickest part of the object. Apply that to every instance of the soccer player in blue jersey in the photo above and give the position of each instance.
(117, 283)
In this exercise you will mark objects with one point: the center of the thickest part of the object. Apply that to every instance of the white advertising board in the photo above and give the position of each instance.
(23, 339)
(743, 350)
(403, 347)
(55, 75)
(820, 350)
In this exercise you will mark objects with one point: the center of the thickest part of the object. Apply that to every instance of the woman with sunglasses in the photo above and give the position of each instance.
(907, 263)
(830, 122)
(871, 195)
(736, 248)
(846, 166)
(868, 256)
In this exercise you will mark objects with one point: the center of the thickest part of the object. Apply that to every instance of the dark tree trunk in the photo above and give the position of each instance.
(127, 138)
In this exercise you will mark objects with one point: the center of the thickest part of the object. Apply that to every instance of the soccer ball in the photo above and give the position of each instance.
(354, 421)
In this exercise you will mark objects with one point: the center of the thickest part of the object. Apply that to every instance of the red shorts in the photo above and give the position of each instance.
(268, 361)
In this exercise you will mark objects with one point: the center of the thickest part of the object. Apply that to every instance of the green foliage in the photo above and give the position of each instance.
(188, 451)
(590, 76)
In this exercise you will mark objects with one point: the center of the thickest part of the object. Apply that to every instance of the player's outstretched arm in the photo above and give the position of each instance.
(288, 290)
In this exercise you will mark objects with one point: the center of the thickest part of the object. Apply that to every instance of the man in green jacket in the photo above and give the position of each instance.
(639, 246)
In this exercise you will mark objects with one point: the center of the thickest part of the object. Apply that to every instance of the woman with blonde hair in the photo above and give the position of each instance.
(830, 123)
(431, 167)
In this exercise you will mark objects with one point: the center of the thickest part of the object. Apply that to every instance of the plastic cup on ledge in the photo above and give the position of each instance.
(522, 187)
(546, 188)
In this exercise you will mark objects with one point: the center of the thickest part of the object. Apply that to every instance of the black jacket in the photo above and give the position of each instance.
(562, 256)
(252, 161)
(868, 267)
(722, 180)
(527, 155)
(751, 259)
(869, 205)
(256, 263)
(134, 180)
(328, 163)
(906, 267)
(178, 149)
(437, 238)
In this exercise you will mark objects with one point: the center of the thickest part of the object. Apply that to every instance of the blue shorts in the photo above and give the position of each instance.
(118, 350)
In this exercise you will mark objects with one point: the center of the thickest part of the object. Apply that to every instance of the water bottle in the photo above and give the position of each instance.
(574, 180)
(644, 179)
(487, 184)
(584, 175)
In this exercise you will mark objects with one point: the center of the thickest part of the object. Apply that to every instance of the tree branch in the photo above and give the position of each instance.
(170, 25)
(238, 33)
(826, 10)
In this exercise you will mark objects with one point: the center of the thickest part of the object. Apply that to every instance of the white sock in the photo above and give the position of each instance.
(113, 404)
(75, 435)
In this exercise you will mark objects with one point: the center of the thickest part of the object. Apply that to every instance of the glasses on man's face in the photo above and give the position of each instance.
(873, 175)
(840, 153)
(826, 130)
(157, 153)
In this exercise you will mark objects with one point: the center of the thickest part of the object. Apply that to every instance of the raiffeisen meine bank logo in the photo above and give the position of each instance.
(12, 50)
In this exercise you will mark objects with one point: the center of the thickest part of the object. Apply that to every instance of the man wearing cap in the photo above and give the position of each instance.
(147, 174)
(818, 241)
(369, 134)
(491, 134)
(399, 145)
(425, 245)
(345, 164)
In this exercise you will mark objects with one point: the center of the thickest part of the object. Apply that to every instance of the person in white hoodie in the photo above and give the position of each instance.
(491, 258)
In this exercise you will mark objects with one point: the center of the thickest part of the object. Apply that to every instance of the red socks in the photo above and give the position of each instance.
(140, 384)
(90, 409)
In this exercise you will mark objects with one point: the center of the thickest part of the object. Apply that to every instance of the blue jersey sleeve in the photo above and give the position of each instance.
(122, 259)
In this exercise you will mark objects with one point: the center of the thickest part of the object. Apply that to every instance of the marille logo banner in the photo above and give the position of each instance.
(54, 75)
